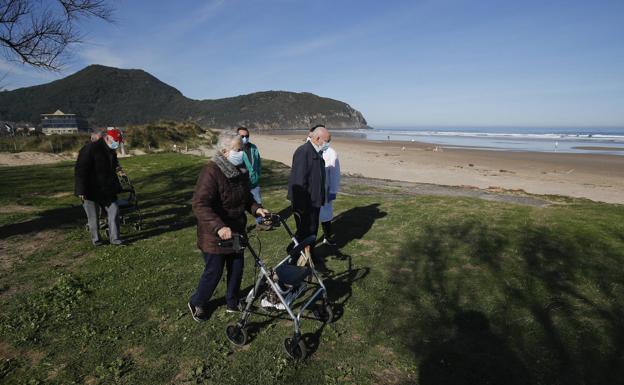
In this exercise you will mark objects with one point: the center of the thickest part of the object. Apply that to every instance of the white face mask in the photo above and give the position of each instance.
(245, 140)
(325, 146)
(235, 157)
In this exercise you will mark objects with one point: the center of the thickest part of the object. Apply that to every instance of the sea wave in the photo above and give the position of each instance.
(511, 135)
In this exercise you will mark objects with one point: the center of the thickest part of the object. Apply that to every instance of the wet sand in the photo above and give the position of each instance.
(594, 176)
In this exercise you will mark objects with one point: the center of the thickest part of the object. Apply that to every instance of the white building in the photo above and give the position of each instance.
(61, 123)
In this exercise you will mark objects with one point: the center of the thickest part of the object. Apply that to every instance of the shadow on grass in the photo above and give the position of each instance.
(53, 219)
(163, 197)
(473, 355)
(477, 304)
(348, 226)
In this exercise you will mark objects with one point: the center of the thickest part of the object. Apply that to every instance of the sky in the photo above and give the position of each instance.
(401, 63)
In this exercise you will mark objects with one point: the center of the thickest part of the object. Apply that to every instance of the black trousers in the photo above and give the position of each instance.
(213, 270)
(307, 222)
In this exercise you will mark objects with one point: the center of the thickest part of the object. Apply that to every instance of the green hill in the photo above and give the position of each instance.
(108, 96)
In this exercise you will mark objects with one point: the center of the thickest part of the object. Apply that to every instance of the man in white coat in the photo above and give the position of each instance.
(332, 183)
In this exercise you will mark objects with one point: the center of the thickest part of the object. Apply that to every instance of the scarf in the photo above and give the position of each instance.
(228, 169)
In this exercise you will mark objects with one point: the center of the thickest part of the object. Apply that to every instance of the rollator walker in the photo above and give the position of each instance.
(281, 286)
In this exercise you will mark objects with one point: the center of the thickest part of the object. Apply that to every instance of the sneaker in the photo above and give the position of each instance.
(265, 303)
(198, 313)
(118, 242)
(264, 227)
(236, 309)
(98, 243)
(329, 241)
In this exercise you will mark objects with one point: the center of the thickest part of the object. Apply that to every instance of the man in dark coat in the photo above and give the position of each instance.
(222, 195)
(306, 185)
(97, 184)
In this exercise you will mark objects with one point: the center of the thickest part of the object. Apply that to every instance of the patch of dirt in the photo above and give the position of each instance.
(18, 248)
(35, 356)
(367, 242)
(61, 194)
(6, 351)
(12, 208)
(52, 374)
(392, 376)
(29, 158)
(136, 353)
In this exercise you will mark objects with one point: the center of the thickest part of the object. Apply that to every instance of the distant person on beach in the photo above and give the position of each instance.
(306, 185)
(97, 184)
(332, 184)
(251, 157)
(221, 197)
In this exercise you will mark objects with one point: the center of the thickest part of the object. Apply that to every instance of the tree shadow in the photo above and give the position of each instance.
(53, 219)
(547, 298)
(474, 355)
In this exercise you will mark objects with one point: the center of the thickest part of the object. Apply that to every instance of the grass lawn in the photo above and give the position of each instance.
(429, 290)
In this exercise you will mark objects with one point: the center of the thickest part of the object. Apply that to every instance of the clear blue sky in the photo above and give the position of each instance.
(401, 63)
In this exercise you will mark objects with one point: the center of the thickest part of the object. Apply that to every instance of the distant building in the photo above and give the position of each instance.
(61, 123)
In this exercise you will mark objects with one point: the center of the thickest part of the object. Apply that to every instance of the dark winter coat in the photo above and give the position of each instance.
(306, 185)
(95, 173)
(222, 194)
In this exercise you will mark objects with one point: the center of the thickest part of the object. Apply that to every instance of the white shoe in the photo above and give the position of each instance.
(265, 303)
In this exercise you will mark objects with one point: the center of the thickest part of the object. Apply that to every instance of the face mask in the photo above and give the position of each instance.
(245, 140)
(325, 146)
(113, 145)
(235, 157)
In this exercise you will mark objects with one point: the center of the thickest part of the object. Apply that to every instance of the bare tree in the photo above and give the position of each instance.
(37, 32)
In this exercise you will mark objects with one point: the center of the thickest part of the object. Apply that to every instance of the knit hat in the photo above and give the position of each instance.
(115, 134)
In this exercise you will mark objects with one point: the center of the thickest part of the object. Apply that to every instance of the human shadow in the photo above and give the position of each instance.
(348, 226)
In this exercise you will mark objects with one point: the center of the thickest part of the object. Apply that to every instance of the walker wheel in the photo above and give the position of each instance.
(296, 351)
(236, 334)
(327, 313)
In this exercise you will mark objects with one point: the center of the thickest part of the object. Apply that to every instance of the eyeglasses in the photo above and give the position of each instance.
(244, 136)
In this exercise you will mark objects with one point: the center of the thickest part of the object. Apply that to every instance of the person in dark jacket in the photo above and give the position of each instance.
(97, 184)
(306, 185)
(253, 163)
(221, 197)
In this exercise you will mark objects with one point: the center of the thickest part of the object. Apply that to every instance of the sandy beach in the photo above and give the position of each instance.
(594, 176)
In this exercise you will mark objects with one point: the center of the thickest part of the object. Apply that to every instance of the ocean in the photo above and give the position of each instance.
(564, 140)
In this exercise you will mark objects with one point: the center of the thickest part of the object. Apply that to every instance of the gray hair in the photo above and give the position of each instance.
(225, 140)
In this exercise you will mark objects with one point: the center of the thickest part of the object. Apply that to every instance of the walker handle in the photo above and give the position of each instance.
(237, 242)
(271, 219)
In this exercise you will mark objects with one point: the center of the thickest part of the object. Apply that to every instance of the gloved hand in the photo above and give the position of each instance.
(332, 197)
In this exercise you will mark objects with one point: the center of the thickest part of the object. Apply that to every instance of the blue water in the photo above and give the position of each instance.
(564, 140)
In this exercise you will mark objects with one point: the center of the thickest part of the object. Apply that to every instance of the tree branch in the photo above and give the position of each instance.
(38, 35)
